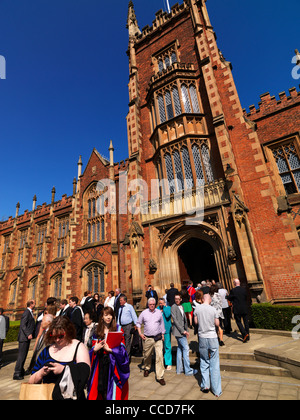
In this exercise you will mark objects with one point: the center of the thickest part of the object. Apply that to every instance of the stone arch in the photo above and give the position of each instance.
(175, 237)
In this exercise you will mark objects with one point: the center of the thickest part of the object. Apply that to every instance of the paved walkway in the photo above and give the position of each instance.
(235, 385)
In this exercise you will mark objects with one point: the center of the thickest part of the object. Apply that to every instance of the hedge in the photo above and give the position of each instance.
(13, 332)
(274, 317)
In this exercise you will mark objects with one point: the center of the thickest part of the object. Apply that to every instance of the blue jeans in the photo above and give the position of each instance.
(183, 353)
(210, 366)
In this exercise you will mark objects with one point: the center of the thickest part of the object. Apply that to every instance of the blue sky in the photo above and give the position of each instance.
(67, 74)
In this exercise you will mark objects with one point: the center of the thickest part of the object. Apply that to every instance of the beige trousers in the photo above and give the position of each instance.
(149, 345)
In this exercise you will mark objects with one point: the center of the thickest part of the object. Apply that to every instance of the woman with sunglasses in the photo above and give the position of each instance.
(62, 349)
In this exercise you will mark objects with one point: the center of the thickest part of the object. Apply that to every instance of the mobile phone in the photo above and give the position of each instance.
(49, 364)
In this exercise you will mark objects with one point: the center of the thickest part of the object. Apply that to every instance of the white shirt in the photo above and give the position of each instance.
(181, 310)
(109, 302)
(223, 293)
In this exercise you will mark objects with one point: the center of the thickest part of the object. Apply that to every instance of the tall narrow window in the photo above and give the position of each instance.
(41, 233)
(160, 66)
(174, 57)
(288, 163)
(95, 275)
(187, 167)
(57, 286)
(62, 237)
(176, 100)
(32, 289)
(95, 223)
(161, 107)
(170, 175)
(186, 99)
(169, 106)
(194, 99)
(22, 242)
(13, 292)
(198, 164)
(178, 171)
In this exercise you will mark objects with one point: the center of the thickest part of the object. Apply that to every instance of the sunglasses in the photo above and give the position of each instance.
(58, 336)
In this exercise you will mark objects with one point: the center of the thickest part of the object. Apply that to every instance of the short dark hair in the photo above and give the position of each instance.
(1, 311)
(51, 301)
(74, 299)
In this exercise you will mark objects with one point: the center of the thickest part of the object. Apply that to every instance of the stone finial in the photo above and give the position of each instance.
(111, 153)
(79, 167)
(132, 24)
(17, 209)
(74, 186)
(53, 195)
(34, 200)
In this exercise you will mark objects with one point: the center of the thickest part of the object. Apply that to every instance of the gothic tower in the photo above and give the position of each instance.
(187, 129)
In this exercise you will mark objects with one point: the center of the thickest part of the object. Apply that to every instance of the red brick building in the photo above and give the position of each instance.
(188, 131)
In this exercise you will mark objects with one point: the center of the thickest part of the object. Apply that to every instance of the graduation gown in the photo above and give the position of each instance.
(109, 374)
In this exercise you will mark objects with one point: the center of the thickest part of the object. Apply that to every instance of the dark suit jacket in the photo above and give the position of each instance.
(117, 305)
(238, 296)
(148, 295)
(171, 296)
(27, 326)
(76, 318)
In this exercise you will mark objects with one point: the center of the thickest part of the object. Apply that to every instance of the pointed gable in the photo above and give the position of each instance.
(96, 169)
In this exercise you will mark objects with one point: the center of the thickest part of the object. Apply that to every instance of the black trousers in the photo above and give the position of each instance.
(23, 351)
(226, 322)
(244, 329)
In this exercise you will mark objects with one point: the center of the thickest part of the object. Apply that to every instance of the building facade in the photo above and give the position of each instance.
(208, 191)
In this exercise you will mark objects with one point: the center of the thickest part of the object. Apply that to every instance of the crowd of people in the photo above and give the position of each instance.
(71, 350)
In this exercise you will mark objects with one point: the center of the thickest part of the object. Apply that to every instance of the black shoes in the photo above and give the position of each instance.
(18, 378)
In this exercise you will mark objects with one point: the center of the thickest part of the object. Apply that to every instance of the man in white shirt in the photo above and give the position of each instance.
(226, 310)
(207, 319)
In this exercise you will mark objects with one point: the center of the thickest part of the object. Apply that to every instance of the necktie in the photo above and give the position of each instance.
(120, 323)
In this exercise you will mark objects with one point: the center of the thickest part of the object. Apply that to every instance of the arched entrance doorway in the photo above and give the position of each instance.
(197, 261)
(192, 252)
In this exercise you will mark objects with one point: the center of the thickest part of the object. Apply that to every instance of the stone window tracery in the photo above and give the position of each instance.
(179, 162)
(175, 99)
(95, 278)
(95, 216)
(62, 231)
(287, 158)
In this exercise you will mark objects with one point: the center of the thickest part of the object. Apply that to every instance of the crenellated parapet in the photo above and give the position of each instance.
(270, 104)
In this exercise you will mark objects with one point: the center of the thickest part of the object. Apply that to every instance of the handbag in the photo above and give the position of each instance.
(36, 392)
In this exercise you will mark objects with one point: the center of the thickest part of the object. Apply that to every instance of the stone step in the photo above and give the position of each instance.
(253, 367)
(235, 362)
(237, 356)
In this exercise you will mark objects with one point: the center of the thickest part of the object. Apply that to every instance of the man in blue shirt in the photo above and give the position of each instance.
(126, 317)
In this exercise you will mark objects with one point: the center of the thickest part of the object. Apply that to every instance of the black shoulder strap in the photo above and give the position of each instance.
(75, 355)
